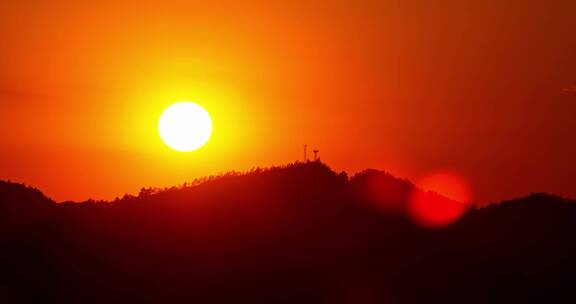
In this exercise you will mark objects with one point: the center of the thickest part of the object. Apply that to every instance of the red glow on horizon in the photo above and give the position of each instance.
(444, 198)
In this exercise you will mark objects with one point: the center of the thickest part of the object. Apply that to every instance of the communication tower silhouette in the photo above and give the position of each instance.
(315, 151)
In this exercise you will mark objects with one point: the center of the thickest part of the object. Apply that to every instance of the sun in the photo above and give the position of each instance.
(185, 126)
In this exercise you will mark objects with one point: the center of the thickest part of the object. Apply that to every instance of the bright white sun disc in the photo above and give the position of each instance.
(185, 126)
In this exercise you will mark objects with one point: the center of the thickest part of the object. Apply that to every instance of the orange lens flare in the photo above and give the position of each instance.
(444, 198)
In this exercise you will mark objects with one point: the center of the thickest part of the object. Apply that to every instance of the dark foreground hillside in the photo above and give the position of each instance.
(296, 234)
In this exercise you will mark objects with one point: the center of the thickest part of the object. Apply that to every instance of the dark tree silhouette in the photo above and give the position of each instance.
(294, 234)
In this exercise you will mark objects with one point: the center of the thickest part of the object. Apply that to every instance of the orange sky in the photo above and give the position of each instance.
(414, 87)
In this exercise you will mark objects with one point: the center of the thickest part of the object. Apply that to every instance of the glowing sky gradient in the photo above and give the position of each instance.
(480, 88)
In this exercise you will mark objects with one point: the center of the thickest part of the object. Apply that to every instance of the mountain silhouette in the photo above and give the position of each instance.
(300, 233)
